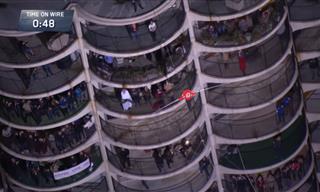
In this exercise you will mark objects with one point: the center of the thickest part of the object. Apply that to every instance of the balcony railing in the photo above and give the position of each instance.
(119, 9)
(307, 39)
(181, 81)
(41, 79)
(121, 39)
(259, 58)
(304, 10)
(313, 103)
(37, 48)
(255, 124)
(191, 183)
(250, 93)
(310, 71)
(315, 132)
(49, 142)
(145, 68)
(148, 167)
(240, 32)
(221, 7)
(274, 180)
(44, 111)
(157, 130)
(265, 153)
(50, 175)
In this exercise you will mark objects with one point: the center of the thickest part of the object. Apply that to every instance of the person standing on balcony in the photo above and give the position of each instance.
(158, 159)
(270, 182)
(47, 70)
(25, 49)
(204, 164)
(260, 183)
(277, 146)
(168, 156)
(314, 66)
(280, 113)
(135, 4)
(134, 31)
(126, 100)
(242, 62)
(152, 27)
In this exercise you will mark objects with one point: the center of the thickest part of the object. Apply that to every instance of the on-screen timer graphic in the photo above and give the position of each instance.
(46, 20)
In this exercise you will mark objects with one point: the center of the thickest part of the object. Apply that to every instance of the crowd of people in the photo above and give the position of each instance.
(141, 68)
(156, 97)
(41, 174)
(186, 149)
(49, 142)
(274, 180)
(35, 111)
(243, 29)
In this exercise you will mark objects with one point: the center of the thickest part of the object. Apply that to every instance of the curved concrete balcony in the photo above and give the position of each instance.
(264, 155)
(161, 95)
(119, 10)
(307, 40)
(185, 154)
(39, 80)
(304, 14)
(45, 111)
(145, 69)
(312, 103)
(274, 180)
(38, 47)
(315, 135)
(49, 144)
(260, 58)
(234, 32)
(259, 124)
(311, 185)
(253, 94)
(155, 131)
(121, 39)
(226, 9)
(46, 176)
(310, 71)
(189, 181)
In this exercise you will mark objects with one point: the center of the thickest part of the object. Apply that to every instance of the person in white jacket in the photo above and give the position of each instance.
(126, 100)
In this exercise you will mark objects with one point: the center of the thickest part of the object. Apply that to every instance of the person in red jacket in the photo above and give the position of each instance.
(242, 62)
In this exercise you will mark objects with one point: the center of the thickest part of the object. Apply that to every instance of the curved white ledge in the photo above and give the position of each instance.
(227, 170)
(100, 170)
(92, 48)
(310, 86)
(126, 21)
(14, 33)
(215, 109)
(208, 78)
(175, 106)
(67, 86)
(72, 48)
(312, 116)
(206, 48)
(315, 147)
(305, 178)
(305, 55)
(80, 114)
(298, 25)
(92, 140)
(185, 63)
(206, 151)
(225, 140)
(201, 119)
(200, 17)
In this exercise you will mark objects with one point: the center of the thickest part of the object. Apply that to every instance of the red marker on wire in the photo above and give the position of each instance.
(187, 95)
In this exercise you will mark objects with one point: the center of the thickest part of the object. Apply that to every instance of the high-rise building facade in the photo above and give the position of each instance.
(105, 106)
